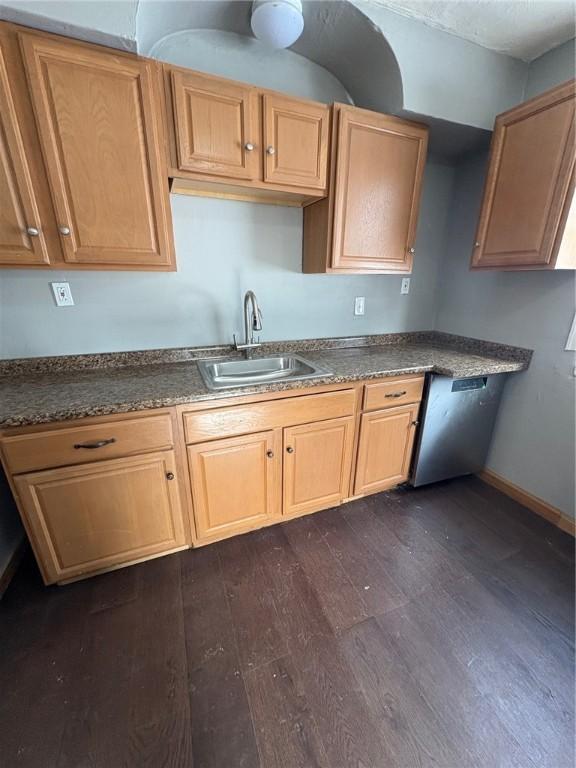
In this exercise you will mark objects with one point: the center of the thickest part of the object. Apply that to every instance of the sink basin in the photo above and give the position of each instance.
(227, 374)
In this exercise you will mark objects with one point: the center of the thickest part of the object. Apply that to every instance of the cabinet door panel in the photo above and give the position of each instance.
(19, 209)
(297, 131)
(385, 448)
(317, 462)
(531, 164)
(96, 516)
(235, 483)
(377, 194)
(215, 120)
(97, 123)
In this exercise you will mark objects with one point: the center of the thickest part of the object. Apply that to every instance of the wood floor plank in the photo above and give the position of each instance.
(300, 612)
(414, 734)
(171, 664)
(222, 729)
(285, 727)
(366, 571)
(410, 557)
(254, 613)
(350, 735)
(342, 603)
(450, 692)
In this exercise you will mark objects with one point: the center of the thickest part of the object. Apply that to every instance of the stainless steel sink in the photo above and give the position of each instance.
(227, 374)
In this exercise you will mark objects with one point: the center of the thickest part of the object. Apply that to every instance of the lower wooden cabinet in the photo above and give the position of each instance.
(236, 483)
(317, 464)
(385, 448)
(96, 516)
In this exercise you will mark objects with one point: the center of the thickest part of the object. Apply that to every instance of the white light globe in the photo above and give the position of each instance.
(277, 23)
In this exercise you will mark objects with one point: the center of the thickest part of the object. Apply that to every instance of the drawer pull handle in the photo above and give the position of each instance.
(96, 444)
(289, 449)
(396, 394)
(169, 475)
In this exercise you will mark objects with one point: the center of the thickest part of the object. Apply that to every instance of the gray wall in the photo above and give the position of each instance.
(533, 445)
(223, 248)
(551, 69)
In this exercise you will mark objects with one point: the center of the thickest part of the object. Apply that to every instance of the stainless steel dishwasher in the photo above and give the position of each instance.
(456, 424)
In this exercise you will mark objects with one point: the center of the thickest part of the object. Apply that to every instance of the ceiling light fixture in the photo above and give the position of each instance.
(277, 23)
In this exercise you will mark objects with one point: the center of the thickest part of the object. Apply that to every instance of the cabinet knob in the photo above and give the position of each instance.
(64, 230)
(270, 454)
(249, 147)
(476, 244)
(270, 150)
(32, 231)
(415, 423)
(289, 449)
(411, 250)
(169, 475)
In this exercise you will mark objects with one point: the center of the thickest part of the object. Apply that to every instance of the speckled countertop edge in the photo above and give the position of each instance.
(59, 392)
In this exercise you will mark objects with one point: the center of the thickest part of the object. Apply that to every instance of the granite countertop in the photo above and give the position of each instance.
(41, 390)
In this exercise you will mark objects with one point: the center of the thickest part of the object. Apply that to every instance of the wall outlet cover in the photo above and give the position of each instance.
(62, 294)
(359, 305)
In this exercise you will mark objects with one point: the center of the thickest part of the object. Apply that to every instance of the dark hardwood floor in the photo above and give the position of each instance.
(414, 628)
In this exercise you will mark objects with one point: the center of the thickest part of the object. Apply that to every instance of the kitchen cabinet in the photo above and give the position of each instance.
(236, 483)
(368, 222)
(98, 121)
(103, 492)
(216, 124)
(385, 448)
(295, 142)
(528, 216)
(103, 514)
(230, 139)
(25, 214)
(317, 464)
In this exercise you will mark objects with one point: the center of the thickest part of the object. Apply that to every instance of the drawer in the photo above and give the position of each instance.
(63, 447)
(392, 392)
(258, 417)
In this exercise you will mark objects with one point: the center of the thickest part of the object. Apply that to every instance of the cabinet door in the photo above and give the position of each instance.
(377, 191)
(98, 123)
(385, 448)
(235, 483)
(531, 165)
(22, 240)
(96, 516)
(296, 142)
(317, 463)
(217, 126)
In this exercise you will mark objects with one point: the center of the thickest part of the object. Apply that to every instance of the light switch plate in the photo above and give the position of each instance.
(359, 305)
(405, 287)
(62, 294)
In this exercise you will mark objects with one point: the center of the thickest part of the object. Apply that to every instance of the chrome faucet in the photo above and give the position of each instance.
(252, 322)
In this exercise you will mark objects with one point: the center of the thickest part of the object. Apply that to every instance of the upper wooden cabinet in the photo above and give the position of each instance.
(296, 142)
(25, 212)
(216, 126)
(527, 216)
(96, 113)
(231, 139)
(368, 223)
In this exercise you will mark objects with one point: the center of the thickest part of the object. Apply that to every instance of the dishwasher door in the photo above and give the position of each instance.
(457, 420)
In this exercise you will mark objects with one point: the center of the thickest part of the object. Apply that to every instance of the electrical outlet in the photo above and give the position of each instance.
(359, 305)
(405, 287)
(62, 294)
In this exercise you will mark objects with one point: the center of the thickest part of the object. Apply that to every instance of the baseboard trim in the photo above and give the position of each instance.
(13, 563)
(537, 505)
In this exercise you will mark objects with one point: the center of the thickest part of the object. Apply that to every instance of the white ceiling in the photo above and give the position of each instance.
(524, 29)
